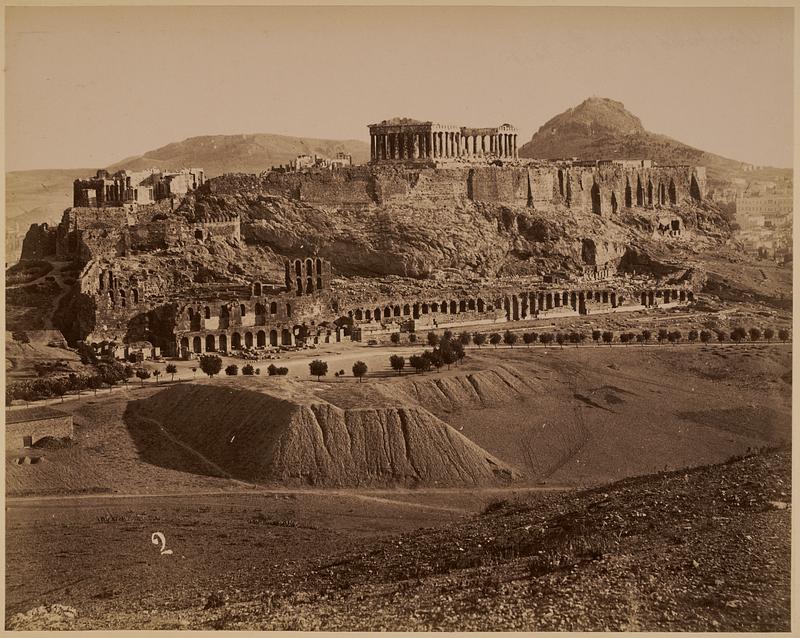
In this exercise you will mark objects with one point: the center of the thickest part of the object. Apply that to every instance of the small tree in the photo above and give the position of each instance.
(436, 360)
(359, 370)
(647, 335)
(608, 337)
(447, 335)
(596, 336)
(705, 336)
(397, 362)
(142, 374)
(211, 364)
(458, 351)
(722, 336)
(528, 338)
(755, 334)
(95, 383)
(318, 368)
(546, 338)
(674, 337)
(171, 370)
(693, 335)
(232, 370)
(412, 338)
(769, 334)
(479, 339)
(495, 338)
(464, 338)
(663, 335)
(156, 374)
(272, 370)
(560, 339)
(60, 387)
(194, 371)
(623, 338)
(510, 338)
(575, 338)
(248, 370)
(448, 354)
(433, 339)
(738, 334)
(784, 334)
(419, 363)
(395, 338)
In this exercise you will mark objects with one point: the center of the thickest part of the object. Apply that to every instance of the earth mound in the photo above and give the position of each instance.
(261, 437)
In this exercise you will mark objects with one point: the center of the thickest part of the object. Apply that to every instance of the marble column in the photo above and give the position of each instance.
(416, 146)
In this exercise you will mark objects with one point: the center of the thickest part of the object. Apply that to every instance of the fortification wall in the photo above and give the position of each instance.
(498, 185)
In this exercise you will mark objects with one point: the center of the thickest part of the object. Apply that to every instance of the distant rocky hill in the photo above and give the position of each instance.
(219, 154)
(603, 128)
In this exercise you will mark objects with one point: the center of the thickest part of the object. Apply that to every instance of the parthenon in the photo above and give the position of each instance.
(404, 139)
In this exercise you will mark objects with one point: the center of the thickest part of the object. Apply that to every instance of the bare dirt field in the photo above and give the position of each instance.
(79, 522)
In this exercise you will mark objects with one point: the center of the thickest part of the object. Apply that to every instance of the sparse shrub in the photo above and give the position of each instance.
(258, 371)
(248, 370)
(722, 336)
(784, 334)
(272, 369)
(412, 337)
(359, 370)
(282, 371)
(232, 370)
(318, 368)
(395, 338)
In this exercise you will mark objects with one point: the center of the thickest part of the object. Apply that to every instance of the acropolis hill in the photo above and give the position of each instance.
(192, 264)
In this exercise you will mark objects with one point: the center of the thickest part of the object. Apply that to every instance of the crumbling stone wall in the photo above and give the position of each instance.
(39, 242)
(499, 185)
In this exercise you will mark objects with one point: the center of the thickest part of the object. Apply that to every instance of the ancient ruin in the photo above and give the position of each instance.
(213, 297)
(407, 140)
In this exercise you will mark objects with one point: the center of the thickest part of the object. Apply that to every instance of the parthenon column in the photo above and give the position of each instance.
(372, 146)
(416, 146)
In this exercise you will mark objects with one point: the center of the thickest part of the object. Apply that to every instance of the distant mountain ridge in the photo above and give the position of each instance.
(600, 128)
(246, 153)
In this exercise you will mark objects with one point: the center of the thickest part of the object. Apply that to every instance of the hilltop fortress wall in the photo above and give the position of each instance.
(599, 189)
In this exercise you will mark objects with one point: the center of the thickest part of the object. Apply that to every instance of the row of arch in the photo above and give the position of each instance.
(261, 311)
(119, 296)
(304, 276)
(652, 193)
(519, 306)
(238, 340)
(417, 309)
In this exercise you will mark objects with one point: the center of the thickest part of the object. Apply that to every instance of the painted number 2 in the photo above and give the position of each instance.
(158, 538)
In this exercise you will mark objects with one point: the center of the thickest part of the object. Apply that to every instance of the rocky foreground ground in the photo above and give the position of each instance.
(706, 549)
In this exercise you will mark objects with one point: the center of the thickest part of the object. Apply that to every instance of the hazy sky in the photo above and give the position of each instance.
(89, 86)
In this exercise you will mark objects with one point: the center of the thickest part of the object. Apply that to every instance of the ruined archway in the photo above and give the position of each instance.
(248, 339)
(613, 202)
(261, 339)
(639, 192)
(628, 194)
(286, 337)
(597, 204)
(673, 194)
(223, 343)
(197, 345)
(649, 192)
(273, 337)
(236, 341)
(694, 189)
(184, 344)
(210, 346)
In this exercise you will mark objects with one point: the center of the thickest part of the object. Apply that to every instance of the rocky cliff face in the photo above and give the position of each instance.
(434, 221)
